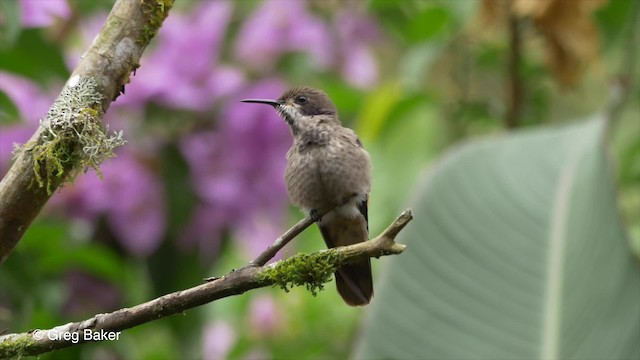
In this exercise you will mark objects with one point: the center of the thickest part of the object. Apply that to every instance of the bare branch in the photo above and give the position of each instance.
(48, 159)
(283, 240)
(311, 270)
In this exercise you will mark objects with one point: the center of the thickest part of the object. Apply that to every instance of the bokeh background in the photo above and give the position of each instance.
(198, 189)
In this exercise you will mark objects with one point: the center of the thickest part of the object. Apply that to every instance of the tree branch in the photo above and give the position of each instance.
(71, 137)
(311, 270)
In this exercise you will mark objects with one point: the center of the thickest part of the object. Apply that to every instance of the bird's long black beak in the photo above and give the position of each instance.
(274, 103)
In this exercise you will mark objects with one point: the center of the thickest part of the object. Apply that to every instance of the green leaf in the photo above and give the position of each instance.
(181, 199)
(346, 98)
(516, 252)
(34, 57)
(53, 253)
(94, 259)
(614, 19)
(427, 24)
(412, 137)
(376, 110)
(9, 113)
(10, 25)
(417, 63)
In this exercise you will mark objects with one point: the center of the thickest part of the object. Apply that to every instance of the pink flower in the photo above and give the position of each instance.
(217, 340)
(356, 35)
(130, 197)
(32, 104)
(277, 27)
(264, 315)
(182, 71)
(237, 173)
(41, 13)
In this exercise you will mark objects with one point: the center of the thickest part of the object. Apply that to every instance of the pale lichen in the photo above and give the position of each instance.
(74, 139)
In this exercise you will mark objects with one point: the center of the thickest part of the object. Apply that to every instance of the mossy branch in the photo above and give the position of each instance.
(75, 139)
(71, 138)
(309, 270)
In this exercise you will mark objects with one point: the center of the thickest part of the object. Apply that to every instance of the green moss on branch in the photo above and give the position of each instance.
(310, 270)
(155, 11)
(14, 348)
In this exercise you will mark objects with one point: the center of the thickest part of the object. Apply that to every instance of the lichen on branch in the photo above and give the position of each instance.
(74, 138)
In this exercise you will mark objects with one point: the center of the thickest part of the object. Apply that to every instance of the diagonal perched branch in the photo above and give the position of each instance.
(71, 137)
(311, 270)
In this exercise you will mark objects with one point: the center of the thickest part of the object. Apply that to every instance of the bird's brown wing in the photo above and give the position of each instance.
(354, 280)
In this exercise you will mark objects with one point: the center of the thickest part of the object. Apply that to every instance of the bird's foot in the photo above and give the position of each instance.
(315, 215)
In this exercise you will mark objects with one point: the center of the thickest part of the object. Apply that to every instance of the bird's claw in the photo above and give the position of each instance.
(315, 215)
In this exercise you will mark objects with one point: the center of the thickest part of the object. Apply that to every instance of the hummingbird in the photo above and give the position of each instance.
(328, 169)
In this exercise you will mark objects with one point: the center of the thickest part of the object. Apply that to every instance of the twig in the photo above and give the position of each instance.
(285, 238)
(514, 86)
(106, 65)
(101, 326)
(281, 241)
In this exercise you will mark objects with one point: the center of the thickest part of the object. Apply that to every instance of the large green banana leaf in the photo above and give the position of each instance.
(516, 252)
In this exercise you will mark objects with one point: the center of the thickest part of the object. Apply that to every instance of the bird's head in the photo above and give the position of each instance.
(303, 107)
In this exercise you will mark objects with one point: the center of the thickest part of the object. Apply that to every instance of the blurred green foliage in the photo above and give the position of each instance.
(514, 260)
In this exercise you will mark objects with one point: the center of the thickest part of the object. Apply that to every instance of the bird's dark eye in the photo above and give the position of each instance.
(301, 99)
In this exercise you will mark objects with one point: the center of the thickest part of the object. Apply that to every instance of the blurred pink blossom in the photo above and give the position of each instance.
(31, 101)
(359, 67)
(258, 230)
(32, 104)
(265, 316)
(279, 27)
(41, 13)
(217, 340)
(182, 71)
(237, 169)
(130, 196)
(276, 27)
(356, 34)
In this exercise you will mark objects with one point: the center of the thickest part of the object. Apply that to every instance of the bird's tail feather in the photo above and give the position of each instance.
(354, 280)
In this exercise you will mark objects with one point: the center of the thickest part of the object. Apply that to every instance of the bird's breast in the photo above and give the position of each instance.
(304, 184)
